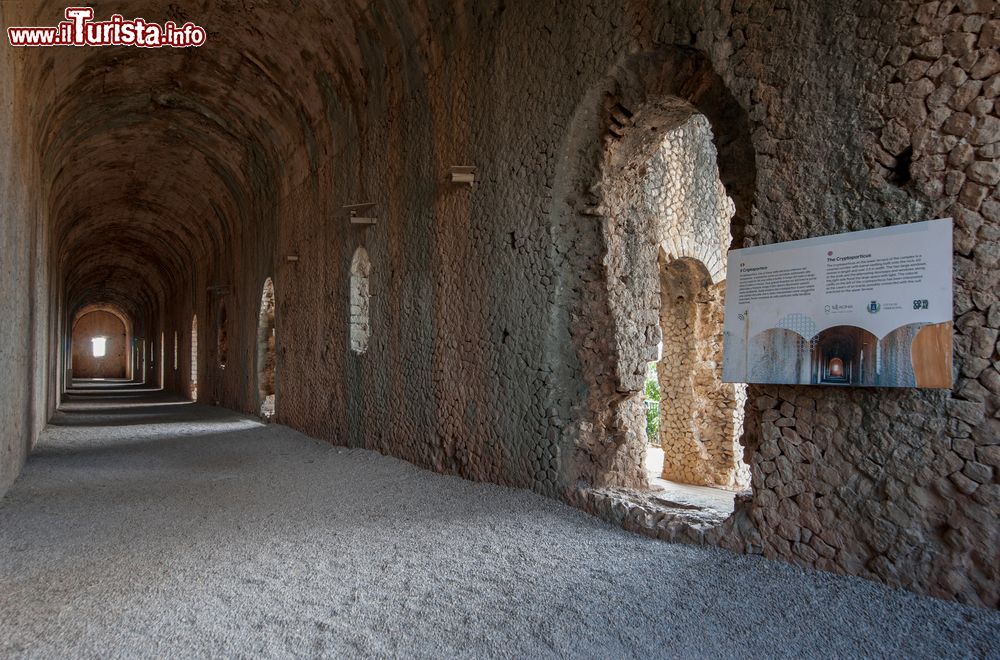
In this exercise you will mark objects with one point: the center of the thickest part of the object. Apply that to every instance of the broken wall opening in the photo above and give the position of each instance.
(676, 177)
(668, 271)
(360, 328)
(194, 358)
(222, 343)
(702, 423)
(266, 356)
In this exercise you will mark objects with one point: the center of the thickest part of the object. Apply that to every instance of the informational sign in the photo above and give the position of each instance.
(866, 309)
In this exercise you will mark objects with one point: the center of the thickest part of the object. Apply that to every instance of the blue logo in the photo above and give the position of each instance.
(874, 307)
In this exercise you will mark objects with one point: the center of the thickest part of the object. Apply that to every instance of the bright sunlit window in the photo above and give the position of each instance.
(100, 346)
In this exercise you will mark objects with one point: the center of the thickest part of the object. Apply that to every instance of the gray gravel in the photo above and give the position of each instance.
(181, 530)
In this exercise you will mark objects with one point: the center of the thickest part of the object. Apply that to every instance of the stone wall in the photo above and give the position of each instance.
(525, 383)
(27, 391)
(495, 348)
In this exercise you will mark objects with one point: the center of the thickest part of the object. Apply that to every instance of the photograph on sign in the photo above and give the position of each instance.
(869, 309)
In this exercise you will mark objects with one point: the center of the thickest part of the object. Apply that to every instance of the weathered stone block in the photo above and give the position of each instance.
(987, 173)
(964, 95)
(987, 65)
(984, 341)
(963, 483)
(986, 131)
(972, 195)
(959, 44)
(960, 124)
(967, 411)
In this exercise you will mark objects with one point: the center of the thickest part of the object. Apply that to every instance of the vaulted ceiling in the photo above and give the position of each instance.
(154, 161)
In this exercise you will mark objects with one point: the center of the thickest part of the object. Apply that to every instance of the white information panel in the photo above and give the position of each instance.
(870, 308)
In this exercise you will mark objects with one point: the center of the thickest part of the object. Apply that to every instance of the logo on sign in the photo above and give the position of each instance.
(874, 307)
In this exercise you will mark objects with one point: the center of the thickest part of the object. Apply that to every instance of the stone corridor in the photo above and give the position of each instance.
(350, 329)
(146, 525)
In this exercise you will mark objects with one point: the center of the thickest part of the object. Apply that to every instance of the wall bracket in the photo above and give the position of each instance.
(361, 214)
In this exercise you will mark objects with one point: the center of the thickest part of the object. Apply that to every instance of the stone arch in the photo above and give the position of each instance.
(113, 329)
(685, 249)
(110, 309)
(360, 303)
(266, 351)
(222, 343)
(132, 363)
(618, 129)
(163, 359)
(194, 357)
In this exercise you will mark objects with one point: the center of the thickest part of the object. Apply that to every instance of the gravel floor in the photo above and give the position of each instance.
(180, 530)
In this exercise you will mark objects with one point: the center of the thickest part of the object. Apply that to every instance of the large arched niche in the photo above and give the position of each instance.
(114, 310)
(605, 323)
(124, 342)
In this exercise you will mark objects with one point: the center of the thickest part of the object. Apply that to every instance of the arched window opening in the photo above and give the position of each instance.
(662, 152)
(222, 346)
(194, 358)
(678, 194)
(100, 345)
(671, 224)
(266, 352)
(163, 357)
(360, 301)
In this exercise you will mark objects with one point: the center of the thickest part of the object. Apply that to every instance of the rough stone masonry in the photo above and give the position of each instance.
(509, 322)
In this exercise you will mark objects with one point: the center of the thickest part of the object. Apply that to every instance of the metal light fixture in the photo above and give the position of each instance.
(463, 174)
(361, 214)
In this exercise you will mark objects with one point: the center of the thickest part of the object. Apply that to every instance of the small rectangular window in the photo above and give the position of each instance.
(100, 346)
